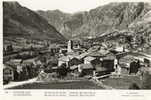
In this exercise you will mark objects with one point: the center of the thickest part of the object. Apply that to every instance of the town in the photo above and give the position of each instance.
(107, 47)
(74, 60)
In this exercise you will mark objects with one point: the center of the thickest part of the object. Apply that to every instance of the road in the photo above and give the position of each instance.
(14, 84)
(60, 85)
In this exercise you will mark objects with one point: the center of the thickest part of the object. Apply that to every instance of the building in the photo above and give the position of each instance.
(75, 69)
(147, 62)
(103, 66)
(82, 55)
(54, 68)
(110, 56)
(70, 46)
(96, 63)
(74, 61)
(108, 64)
(8, 49)
(63, 51)
(120, 49)
(62, 60)
(16, 62)
(86, 69)
(96, 54)
(134, 66)
(8, 73)
(53, 48)
(88, 59)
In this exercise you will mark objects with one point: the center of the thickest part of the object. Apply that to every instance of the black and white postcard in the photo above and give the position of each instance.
(76, 45)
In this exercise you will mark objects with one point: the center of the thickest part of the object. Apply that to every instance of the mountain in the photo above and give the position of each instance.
(55, 18)
(19, 21)
(101, 20)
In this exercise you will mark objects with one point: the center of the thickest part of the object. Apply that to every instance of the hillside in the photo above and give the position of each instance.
(56, 18)
(19, 21)
(94, 23)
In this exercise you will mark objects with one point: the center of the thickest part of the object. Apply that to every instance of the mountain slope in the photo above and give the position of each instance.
(56, 18)
(19, 21)
(107, 18)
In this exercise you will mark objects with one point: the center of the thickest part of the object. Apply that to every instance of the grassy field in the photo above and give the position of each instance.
(122, 83)
(60, 85)
(116, 83)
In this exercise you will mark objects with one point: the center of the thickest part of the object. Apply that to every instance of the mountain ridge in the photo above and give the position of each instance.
(21, 21)
(93, 23)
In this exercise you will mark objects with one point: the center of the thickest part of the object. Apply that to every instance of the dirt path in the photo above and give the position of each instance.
(100, 83)
(13, 84)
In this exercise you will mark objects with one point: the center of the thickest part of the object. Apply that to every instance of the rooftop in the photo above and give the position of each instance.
(86, 66)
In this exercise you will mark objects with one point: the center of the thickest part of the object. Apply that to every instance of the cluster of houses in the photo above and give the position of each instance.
(99, 61)
(19, 70)
(95, 61)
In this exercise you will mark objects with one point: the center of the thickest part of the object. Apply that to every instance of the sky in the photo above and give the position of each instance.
(68, 6)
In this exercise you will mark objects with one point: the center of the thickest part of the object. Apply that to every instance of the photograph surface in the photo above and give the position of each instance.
(104, 47)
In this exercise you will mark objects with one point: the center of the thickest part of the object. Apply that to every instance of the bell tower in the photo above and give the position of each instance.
(70, 46)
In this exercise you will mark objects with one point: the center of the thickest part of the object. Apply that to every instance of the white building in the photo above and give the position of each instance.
(64, 59)
(87, 60)
(70, 46)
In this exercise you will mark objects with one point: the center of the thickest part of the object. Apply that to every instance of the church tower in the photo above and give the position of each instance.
(70, 46)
